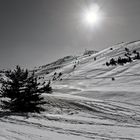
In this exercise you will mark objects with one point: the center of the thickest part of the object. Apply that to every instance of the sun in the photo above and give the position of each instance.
(92, 15)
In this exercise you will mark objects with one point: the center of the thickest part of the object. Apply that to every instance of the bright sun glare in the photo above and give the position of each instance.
(92, 15)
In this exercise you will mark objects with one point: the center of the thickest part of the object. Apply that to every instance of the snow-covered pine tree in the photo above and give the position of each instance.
(46, 88)
(20, 92)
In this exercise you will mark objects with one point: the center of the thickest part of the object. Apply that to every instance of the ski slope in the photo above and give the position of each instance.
(86, 103)
(93, 76)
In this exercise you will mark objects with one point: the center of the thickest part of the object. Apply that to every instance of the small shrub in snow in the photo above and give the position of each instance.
(60, 74)
(127, 50)
(74, 67)
(107, 64)
(134, 51)
(55, 73)
(113, 79)
(137, 56)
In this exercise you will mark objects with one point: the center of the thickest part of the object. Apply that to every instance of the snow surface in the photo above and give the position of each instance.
(86, 104)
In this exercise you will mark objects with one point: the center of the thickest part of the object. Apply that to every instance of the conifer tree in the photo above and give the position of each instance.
(20, 92)
(46, 88)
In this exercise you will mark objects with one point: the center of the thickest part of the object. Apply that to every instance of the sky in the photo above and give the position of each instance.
(37, 32)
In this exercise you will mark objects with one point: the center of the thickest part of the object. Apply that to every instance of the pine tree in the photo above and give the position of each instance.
(112, 61)
(46, 88)
(20, 92)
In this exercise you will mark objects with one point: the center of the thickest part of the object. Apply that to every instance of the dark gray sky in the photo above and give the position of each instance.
(36, 32)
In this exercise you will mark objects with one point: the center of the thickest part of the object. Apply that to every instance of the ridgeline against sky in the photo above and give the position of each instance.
(36, 32)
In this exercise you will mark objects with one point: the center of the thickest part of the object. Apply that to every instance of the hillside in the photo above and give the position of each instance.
(93, 98)
(87, 74)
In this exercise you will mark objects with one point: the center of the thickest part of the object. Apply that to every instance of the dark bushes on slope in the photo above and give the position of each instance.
(127, 59)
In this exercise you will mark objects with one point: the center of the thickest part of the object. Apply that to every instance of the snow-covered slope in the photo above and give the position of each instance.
(90, 100)
(89, 74)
